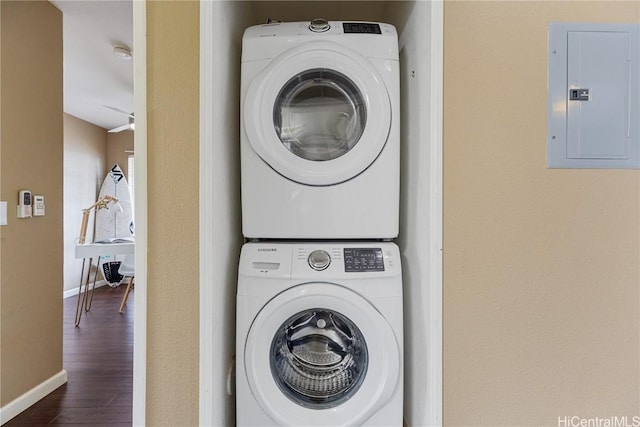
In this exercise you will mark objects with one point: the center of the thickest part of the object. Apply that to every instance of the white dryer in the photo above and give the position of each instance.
(319, 335)
(320, 130)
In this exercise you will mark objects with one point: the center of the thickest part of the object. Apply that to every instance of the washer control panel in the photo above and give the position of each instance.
(363, 259)
(325, 261)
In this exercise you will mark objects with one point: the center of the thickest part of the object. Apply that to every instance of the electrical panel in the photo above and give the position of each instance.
(593, 96)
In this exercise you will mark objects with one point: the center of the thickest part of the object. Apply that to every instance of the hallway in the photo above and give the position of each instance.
(98, 357)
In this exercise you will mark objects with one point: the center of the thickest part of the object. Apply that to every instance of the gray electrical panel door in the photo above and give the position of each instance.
(593, 100)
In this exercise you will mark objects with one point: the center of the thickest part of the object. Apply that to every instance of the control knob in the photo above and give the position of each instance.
(319, 25)
(319, 260)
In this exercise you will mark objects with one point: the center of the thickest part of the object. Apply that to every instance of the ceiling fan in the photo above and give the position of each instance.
(130, 125)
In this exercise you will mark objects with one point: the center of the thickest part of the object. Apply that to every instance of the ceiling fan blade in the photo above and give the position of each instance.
(130, 125)
(118, 110)
(120, 128)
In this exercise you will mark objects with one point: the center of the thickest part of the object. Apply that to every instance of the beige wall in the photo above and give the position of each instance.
(85, 154)
(172, 191)
(119, 147)
(31, 158)
(541, 267)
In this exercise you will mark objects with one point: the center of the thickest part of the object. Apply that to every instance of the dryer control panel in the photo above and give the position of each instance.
(361, 28)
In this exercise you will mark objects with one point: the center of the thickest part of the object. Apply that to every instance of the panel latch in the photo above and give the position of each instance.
(578, 94)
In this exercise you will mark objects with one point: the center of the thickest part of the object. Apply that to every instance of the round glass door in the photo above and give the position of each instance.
(318, 358)
(319, 354)
(319, 114)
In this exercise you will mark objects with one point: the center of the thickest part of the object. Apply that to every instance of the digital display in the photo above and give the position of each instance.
(363, 259)
(360, 28)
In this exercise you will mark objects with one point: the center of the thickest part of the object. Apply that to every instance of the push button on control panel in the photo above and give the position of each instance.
(319, 260)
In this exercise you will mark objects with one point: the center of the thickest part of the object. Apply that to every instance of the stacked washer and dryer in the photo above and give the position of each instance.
(319, 332)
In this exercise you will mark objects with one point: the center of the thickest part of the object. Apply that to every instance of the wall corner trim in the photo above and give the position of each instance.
(19, 404)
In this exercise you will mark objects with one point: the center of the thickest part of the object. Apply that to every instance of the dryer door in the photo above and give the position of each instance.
(318, 114)
(319, 354)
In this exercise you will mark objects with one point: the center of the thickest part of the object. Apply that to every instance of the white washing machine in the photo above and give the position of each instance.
(319, 335)
(320, 130)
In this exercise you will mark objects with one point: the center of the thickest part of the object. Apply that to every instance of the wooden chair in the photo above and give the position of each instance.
(127, 269)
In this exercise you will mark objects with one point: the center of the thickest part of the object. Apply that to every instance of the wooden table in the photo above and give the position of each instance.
(90, 251)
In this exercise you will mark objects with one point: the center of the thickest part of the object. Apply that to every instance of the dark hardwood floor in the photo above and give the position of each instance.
(98, 357)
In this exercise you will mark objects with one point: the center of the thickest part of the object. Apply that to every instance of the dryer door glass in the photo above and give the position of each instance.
(319, 114)
(318, 358)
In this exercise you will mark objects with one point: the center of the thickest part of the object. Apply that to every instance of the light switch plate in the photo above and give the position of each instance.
(3, 213)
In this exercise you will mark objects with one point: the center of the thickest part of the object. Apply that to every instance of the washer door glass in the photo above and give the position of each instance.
(318, 358)
(320, 354)
(319, 114)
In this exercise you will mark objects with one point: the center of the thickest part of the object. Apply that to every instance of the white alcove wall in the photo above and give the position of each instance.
(419, 25)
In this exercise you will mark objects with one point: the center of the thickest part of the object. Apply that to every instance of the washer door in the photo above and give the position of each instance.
(318, 114)
(319, 354)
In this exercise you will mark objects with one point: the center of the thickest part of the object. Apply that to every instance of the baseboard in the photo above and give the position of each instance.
(73, 292)
(16, 406)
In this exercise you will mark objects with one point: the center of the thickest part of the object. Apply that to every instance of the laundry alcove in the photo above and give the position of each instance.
(419, 25)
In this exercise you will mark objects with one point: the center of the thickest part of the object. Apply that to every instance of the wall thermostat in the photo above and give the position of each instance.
(24, 204)
(38, 205)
